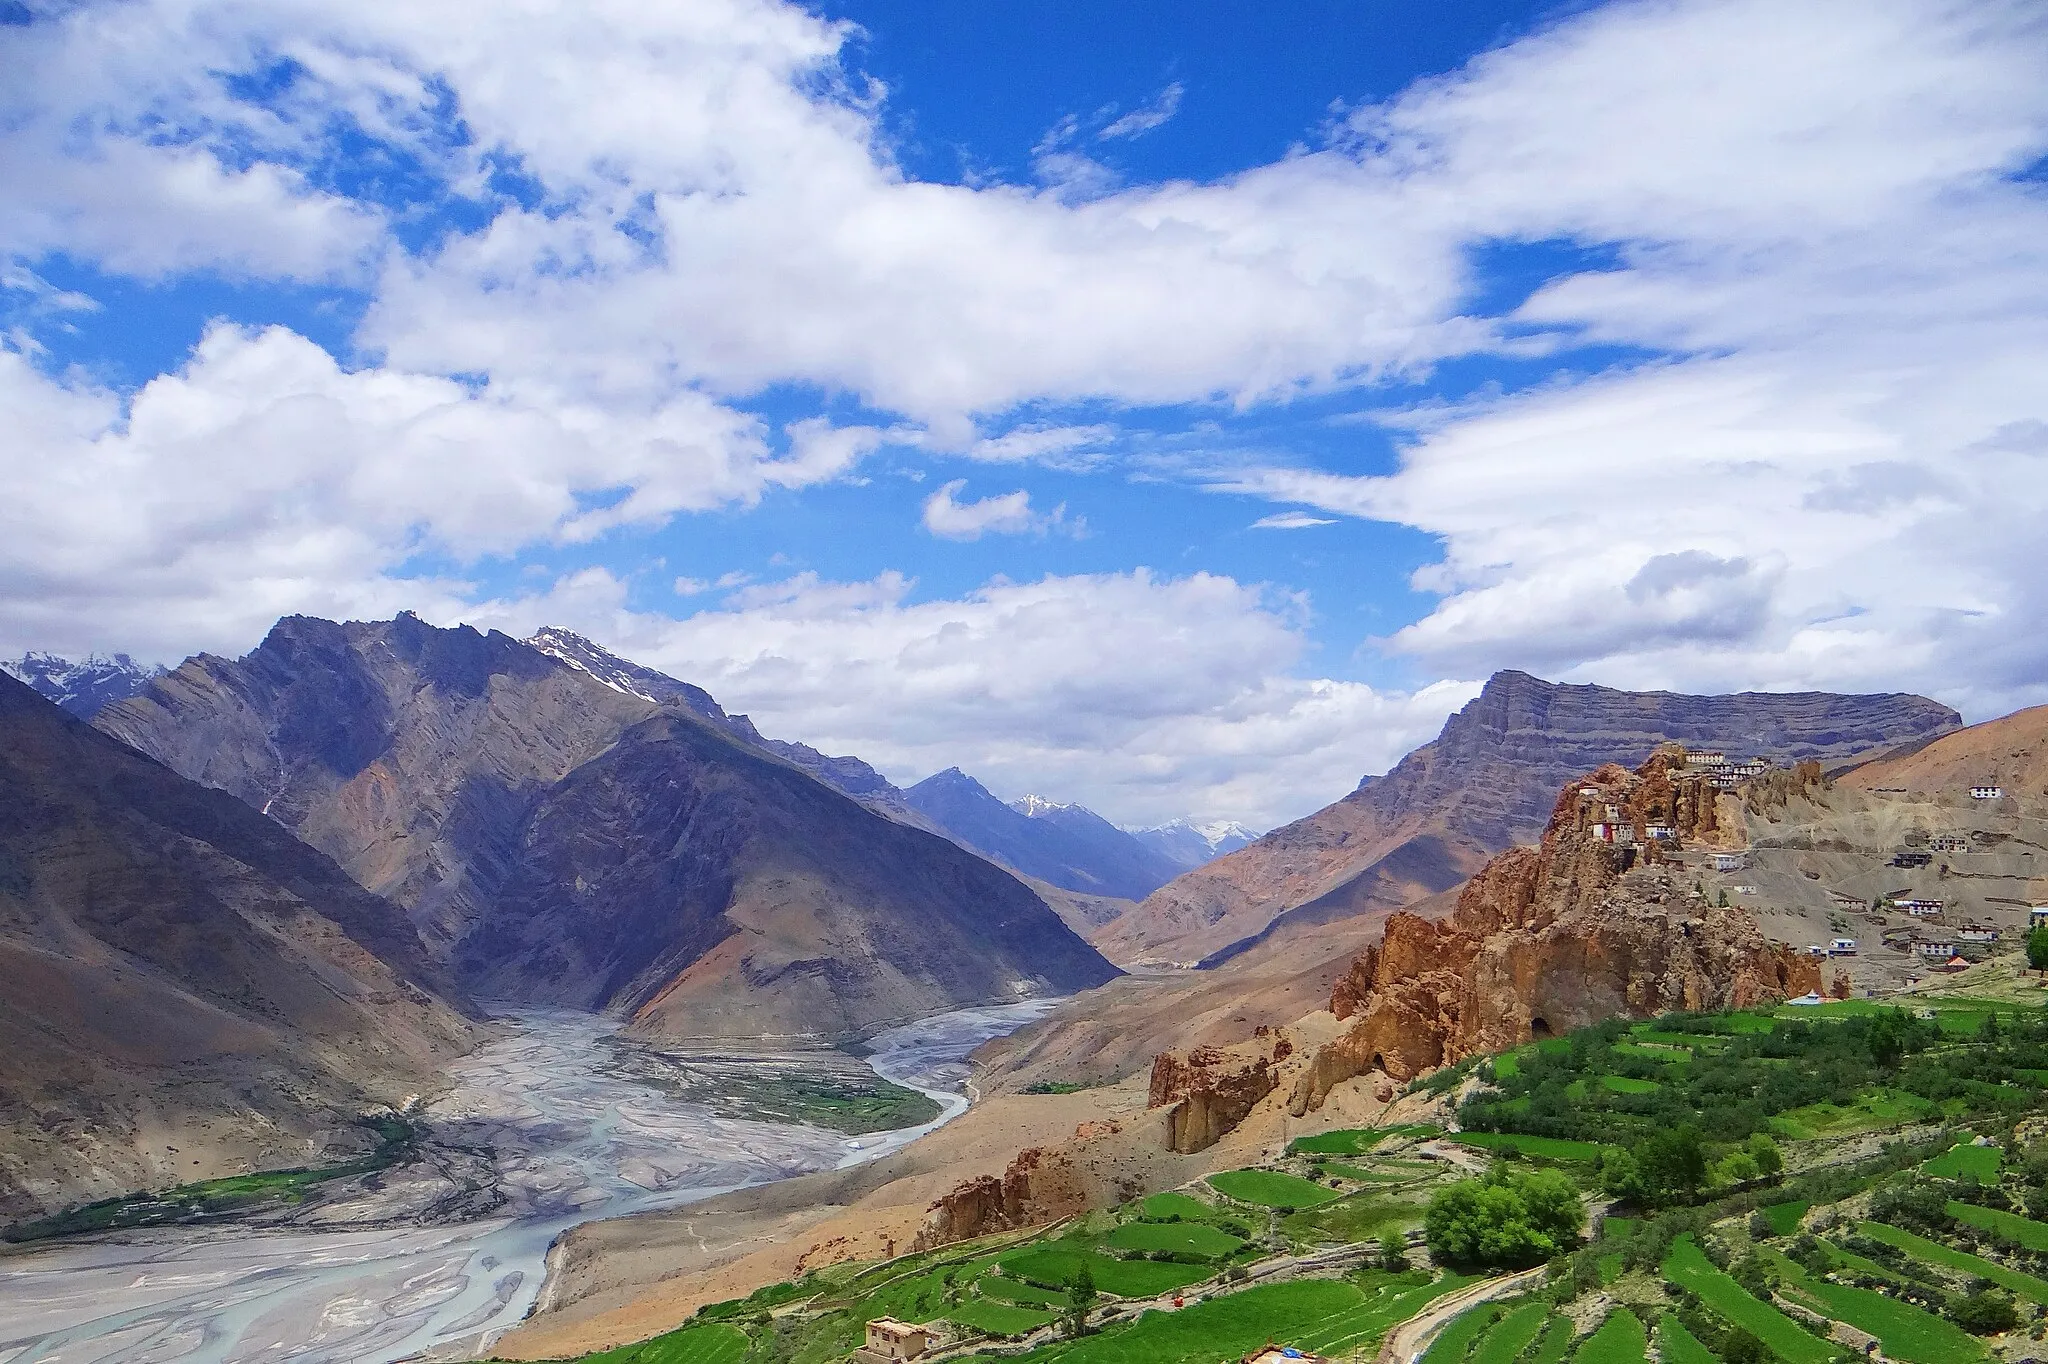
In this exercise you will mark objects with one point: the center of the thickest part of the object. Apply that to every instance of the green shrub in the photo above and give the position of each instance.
(1511, 1218)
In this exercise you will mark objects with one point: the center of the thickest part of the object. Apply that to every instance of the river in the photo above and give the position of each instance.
(574, 1140)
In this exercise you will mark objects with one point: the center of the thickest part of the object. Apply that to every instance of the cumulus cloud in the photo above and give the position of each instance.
(1146, 697)
(262, 478)
(1005, 514)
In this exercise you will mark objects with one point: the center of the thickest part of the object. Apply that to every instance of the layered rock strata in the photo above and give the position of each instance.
(1208, 1091)
(1482, 786)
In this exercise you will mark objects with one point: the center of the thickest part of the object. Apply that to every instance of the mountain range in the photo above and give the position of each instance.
(1482, 786)
(81, 687)
(186, 990)
(579, 831)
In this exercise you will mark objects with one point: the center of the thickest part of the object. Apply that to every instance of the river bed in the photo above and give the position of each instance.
(574, 1141)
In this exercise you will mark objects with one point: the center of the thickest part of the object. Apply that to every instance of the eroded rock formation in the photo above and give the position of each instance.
(1590, 924)
(1207, 1091)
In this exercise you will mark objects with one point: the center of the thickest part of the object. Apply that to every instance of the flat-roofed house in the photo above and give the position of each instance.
(889, 1338)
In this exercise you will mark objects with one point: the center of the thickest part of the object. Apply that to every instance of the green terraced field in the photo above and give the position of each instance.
(1455, 1341)
(1386, 1304)
(1688, 1267)
(2029, 1233)
(1784, 1217)
(1052, 1265)
(1906, 1332)
(1161, 1206)
(1874, 1109)
(1548, 1148)
(1180, 1238)
(1017, 1291)
(1982, 1162)
(1362, 1216)
(999, 1318)
(691, 1345)
(1512, 1334)
(1935, 1253)
(1210, 1332)
(1676, 1345)
(1623, 1084)
(1271, 1189)
(1620, 1340)
(1356, 1141)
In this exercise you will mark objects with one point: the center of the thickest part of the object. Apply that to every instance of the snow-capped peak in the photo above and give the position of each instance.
(82, 687)
(1034, 806)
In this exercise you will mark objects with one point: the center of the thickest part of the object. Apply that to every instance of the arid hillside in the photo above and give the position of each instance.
(186, 990)
(1482, 786)
(604, 842)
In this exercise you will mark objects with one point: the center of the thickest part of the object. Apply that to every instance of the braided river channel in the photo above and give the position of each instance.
(571, 1138)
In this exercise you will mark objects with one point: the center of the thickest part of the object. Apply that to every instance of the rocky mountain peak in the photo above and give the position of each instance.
(85, 686)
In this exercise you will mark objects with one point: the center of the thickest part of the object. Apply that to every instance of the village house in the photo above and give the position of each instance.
(1920, 909)
(1948, 843)
(2037, 917)
(1663, 833)
(1728, 861)
(1934, 949)
(1705, 757)
(1842, 947)
(1987, 793)
(890, 1339)
(1911, 859)
(1981, 936)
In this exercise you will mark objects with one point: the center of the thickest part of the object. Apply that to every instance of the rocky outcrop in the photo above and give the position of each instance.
(1208, 1091)
(1591, 924)
(984, 1205)
(1482, 786)
(186, 990)
(576, 830)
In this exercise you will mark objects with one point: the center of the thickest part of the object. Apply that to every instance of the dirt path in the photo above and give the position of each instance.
(1404, 1344)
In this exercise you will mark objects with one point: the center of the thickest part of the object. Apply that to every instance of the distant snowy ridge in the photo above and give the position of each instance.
(82, 687)
(1190, 843)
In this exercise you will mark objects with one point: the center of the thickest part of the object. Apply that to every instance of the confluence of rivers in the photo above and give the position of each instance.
(575, 1141)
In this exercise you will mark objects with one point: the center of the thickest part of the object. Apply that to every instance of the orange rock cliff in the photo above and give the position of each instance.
(1593, 923)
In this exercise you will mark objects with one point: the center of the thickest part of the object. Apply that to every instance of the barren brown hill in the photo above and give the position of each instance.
(2011, 753)
(563, 839)
(186, 990)
(1482, 786)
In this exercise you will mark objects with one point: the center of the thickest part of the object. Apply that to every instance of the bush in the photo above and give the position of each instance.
(1983, 1313)
(1740, 1347)
(1509, 1219)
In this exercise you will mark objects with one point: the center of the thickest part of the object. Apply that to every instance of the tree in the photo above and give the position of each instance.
(1620, 1176)
(1764, 1151)
(1393, 1253)
(2037, 949)
(1511, 1218)
(1080, 1299)
(1983, 1313)
(1673, 1164)
(1740, 1347)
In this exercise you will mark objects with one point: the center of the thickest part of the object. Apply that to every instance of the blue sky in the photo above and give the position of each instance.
(1175, 408)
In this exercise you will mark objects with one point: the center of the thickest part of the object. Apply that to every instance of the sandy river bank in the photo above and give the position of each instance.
(572, 1140)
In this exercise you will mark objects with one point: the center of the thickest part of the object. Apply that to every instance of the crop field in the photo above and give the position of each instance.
(1935, 1253)
(1555, 1344)
(1676, 1345)
(999, 1318)
(1979, 1162)
(1505, 1066)
(2029, 1233)
(1784, 1217)
(1357, 1217)
(1906, 1332)
(1162, 1206)
(1623, 1084)
(1387, 1301)
(1180, 1238)
(1688, 1267)
(1456, 1339)
(691, 1345)
(1512, 1334)
(1356, 1141)
(1213, 1331)
(1271, 1189)
(1052, 1265)
(1620, 1340)
(1874, 1109)
(1019, 1292)
(1546, 1148)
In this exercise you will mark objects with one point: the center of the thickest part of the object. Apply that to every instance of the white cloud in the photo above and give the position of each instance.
(1005, 514)
(1142, 697)
(262, 479)
(1293, 520)
(1144, 119)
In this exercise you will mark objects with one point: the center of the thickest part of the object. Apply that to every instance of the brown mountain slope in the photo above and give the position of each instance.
(186, 990)
(2011, 752)
(560, 839)
(1483, 785)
